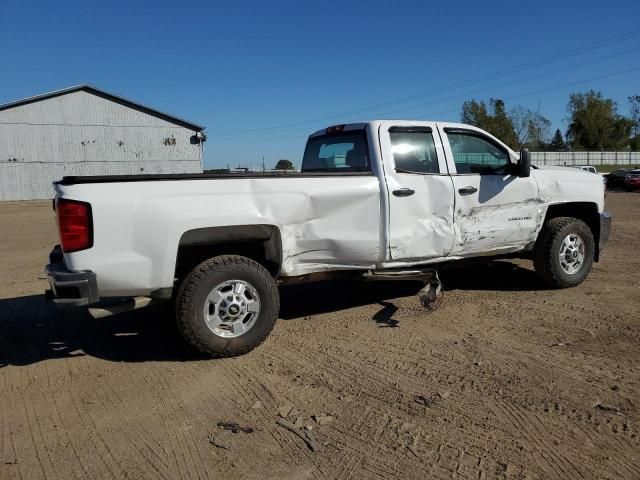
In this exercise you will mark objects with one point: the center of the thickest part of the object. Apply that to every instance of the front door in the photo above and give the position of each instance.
(420, 191)
(494, 209)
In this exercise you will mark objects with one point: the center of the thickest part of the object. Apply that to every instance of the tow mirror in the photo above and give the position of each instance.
(524, 164)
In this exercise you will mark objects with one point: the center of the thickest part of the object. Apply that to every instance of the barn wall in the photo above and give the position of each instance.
(82, 134)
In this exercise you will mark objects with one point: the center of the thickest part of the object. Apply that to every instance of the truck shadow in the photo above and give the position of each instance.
(33, 330)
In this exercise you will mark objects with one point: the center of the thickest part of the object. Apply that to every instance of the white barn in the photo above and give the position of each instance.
(86, 131)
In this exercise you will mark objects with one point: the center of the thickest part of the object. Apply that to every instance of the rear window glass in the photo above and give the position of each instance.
(341, 152)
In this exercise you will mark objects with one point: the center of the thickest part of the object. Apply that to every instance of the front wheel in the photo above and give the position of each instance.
(564, 252)
(227, 306)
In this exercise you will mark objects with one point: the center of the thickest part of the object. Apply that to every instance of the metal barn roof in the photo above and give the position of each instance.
(109, 96)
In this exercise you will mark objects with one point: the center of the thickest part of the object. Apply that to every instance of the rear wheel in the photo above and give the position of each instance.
(227, 306)
(564, 252)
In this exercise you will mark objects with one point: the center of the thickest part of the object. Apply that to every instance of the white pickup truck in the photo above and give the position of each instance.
(381, 199)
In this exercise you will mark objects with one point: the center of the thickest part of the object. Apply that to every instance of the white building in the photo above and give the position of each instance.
(86, 131)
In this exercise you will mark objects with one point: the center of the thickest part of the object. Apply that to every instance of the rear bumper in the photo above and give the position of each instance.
(605, 229)
(67, 287)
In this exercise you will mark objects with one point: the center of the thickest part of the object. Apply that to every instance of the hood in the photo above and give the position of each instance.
(558, 167)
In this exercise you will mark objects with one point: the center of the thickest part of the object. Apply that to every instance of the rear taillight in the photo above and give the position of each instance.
(75, 225)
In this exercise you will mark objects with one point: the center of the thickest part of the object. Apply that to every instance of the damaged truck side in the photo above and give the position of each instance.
(381, 199)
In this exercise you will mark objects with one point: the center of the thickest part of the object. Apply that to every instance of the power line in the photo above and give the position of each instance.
(549, 89)
(482, 78)
(513, 82)
(470, 93)
(511, 97)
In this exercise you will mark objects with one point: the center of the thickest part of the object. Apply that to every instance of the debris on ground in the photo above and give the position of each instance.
(560, 344)
(216, 443)
(234, 427)
(425, 400)
(322, 419)
(303, 434)
(413, 450)
(257, 404)
(606, 407)
(444, 395)
(285, 410)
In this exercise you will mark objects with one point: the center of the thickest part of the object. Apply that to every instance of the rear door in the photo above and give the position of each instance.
(419, 189)
(495, 210)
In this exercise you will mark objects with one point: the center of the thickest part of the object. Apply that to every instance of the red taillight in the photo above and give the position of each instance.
(75, 224)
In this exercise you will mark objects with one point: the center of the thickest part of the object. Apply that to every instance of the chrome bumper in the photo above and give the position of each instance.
(67, 287)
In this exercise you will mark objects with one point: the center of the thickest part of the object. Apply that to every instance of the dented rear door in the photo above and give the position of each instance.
(419, 190)
(494, 210)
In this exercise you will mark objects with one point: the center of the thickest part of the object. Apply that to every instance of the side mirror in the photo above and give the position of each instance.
(524, 165)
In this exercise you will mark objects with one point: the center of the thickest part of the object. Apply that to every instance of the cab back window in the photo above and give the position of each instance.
(337, 152)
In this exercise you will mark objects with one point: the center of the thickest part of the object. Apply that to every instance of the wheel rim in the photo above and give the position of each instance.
(231, 308)
(572, 254)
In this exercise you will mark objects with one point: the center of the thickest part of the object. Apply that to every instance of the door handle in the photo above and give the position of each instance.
(403, 192)
(467, 190)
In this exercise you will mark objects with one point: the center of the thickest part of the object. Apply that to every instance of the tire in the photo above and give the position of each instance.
(546, 256)
(200, 306)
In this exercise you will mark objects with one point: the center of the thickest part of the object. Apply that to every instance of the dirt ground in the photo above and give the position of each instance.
(505, 380)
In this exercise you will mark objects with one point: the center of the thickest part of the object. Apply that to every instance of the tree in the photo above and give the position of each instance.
(531, 128)
(634, 100)
(284, 165)
(538, 132)
(557, 143)
(475, 113)
(594, 123)
(493, 119)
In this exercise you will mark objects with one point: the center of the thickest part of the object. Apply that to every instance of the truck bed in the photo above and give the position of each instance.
(76, 180)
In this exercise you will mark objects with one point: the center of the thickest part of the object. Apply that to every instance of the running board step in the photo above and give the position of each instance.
(422, 275)
(430, 295)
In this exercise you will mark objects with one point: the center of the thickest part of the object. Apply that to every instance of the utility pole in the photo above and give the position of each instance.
(264, 169)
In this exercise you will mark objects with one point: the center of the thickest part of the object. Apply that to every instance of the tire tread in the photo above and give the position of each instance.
(544, 260)
(185, 302)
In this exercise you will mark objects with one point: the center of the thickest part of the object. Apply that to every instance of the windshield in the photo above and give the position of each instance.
(338, 152)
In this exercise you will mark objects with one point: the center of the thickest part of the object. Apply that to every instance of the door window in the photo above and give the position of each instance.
(474, 154)
(413, 150)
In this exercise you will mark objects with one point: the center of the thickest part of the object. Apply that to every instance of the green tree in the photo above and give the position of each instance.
(634, 101)
(284, 165)
(493, 119)
(475, 113)
(557, 143)
(594, 123)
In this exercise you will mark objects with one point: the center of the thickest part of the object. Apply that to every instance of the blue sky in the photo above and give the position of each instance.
(243, 68)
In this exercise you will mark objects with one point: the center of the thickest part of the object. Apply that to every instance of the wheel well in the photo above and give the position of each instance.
(585, 211)
(258, 242)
